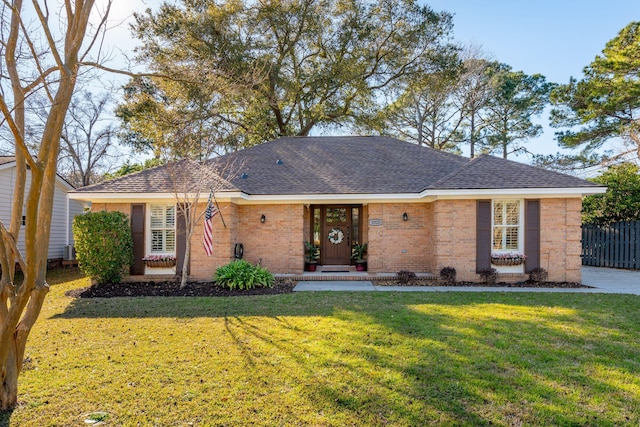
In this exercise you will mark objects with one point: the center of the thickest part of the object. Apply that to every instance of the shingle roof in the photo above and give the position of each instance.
(351, 165)
(488, 172)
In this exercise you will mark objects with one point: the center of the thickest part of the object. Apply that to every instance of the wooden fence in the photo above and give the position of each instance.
(616, 245)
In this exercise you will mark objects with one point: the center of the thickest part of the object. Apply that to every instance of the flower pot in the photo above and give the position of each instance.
(310, 266)
(506, 261)
(160, 264)
(361, 266)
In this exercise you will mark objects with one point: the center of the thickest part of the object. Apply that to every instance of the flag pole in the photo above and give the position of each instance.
(218, 207)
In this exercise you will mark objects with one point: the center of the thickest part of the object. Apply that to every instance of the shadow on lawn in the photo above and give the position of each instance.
(416, 359)
(5, 417)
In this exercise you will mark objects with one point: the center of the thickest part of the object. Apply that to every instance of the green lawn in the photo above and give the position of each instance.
(333, 359)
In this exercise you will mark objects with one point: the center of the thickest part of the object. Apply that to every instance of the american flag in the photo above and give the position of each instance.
(207, 237)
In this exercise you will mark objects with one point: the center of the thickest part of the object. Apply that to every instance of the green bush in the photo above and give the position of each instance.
(104, 246)
(241, 275)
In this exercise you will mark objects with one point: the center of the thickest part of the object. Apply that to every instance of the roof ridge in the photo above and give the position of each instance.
(454, 172)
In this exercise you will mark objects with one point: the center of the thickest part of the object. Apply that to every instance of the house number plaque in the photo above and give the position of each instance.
(375, 222)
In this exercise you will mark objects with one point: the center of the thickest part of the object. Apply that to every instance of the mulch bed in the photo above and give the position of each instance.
(172, 289)
(523, 284)
(280, 286)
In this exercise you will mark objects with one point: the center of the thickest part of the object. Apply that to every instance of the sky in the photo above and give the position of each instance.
(555, 38)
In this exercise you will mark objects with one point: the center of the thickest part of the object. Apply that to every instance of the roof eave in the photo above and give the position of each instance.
(240, 197)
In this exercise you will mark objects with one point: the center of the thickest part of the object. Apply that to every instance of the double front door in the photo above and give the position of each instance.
(337, 228)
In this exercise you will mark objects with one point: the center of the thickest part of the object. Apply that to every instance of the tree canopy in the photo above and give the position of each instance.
(605, 103)
(621, 202)
(245, 72)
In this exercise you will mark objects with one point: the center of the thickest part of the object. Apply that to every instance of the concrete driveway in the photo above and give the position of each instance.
(612, 280)
(603, 280)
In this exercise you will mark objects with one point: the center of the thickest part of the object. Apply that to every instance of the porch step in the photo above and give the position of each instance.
(351, 276)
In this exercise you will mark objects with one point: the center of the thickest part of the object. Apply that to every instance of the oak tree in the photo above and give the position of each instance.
(247, 72)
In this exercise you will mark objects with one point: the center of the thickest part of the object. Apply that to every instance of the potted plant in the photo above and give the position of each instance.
(509, 258)
(312, 253)
(159, 261)
(357, 255)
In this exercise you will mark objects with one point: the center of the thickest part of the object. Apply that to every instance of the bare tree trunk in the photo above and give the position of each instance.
(20, 305)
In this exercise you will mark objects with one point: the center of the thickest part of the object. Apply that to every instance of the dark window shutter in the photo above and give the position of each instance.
(137, 234)
(483, 235)
(532, 234)
(181, 241)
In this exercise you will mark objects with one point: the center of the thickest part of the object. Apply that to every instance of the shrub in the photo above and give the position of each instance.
(104, 246)
(404, 276)
(242, 275)
(538, 275)
(448, 275)
(489, 275)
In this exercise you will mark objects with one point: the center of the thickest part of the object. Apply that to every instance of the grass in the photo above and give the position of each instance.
(333, 359)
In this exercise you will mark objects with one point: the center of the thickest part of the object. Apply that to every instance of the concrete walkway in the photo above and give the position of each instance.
(603, 280)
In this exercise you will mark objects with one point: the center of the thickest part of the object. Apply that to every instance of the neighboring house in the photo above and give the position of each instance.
(64, 210)
(417, 209)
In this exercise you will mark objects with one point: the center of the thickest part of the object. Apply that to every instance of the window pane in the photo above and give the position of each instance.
(171, 217)
(355, 224)
(316, 226)
(511, 238)
(513, 213)
(170, 243)
(498, 233)
(157, 216)
(498, 209)
(156, 240)
(336, 215)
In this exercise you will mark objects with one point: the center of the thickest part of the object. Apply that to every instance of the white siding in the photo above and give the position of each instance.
(61, 232)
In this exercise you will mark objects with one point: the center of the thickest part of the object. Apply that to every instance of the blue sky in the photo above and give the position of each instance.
(554, 38)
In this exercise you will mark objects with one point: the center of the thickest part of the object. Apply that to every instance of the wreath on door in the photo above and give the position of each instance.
(336, 236)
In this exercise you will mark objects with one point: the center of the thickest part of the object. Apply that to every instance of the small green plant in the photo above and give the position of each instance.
(405, 277)
(104, 246)
(358, 252)
(311, 252)
(448, 275)
(538, 275)
(242, 275)
(489, 276)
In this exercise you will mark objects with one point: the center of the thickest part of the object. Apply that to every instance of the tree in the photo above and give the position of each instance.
(621, 202)
(267, 69)
(473, 93)
(37, 57)
(86, 150)
(190, 180)
(516, 98)
(427, 112)
(129, 167)
(606, 102)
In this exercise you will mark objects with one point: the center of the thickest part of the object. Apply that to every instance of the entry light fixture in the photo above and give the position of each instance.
(263, 218)
(405, 217)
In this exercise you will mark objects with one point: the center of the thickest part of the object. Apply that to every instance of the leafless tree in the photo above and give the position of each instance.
(43, 55)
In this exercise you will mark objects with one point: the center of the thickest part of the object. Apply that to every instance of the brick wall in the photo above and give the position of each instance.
(396, 244)
(454, 237)
(111, 207)
(560, 236)
(279, 242)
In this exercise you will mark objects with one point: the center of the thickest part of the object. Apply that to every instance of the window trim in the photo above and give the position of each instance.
(521, 228)
(149, 233)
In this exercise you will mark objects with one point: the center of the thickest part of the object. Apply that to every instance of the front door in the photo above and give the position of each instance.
(336, 235)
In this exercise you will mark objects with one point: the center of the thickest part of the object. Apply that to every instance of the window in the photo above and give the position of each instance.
(507, 222)
(163, 228)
